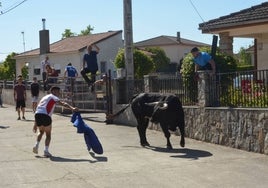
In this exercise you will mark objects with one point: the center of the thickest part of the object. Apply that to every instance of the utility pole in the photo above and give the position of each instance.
(23, 40)
(128, 45)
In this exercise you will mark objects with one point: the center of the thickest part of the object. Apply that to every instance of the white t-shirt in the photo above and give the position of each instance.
(47, 105)
(43, 65)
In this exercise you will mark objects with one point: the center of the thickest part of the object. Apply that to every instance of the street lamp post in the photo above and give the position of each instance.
(23, 41)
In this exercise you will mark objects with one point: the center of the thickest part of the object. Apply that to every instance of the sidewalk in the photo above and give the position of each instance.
(124, 163)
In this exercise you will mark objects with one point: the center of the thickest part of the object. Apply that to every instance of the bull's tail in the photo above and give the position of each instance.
(112, 116)
(121, 111)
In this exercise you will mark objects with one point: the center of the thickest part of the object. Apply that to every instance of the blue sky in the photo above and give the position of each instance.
(151, 18)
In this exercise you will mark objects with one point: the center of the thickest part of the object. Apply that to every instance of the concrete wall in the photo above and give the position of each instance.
(8, 97)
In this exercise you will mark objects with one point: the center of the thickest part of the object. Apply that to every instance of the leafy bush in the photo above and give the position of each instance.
(143, 64)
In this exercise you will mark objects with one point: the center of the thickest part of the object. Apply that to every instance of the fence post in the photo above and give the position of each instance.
(151, 83)
(206, 89)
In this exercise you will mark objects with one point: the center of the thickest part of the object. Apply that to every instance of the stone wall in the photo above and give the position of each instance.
(245, 129)
(241, 128)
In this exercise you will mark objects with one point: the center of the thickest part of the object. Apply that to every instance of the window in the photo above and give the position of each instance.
(37, 71)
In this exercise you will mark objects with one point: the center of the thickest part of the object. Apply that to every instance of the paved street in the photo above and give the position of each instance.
(124, 163)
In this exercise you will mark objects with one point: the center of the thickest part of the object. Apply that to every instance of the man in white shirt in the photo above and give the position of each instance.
(43, 119)
(43, 71)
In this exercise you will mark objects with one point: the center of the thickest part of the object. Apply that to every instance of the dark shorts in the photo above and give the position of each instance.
(20, 104)
(42, 120)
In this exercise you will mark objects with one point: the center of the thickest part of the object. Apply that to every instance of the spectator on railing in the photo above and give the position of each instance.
(71, 73)
(20, 97)
(90, 65)
(44, 63)
(203, 61)
(52, 75)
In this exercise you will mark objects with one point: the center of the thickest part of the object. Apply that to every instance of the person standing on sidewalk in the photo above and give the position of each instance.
(43, 121)
(90, 65)
(20, 97)
(35, 93)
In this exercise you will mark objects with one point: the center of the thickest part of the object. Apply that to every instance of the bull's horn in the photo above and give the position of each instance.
(163, 106)
(152, 103)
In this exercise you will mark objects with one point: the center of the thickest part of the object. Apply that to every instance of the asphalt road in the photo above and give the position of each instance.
(124, 162)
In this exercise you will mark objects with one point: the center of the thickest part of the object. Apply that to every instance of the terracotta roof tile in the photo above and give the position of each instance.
(256, 14)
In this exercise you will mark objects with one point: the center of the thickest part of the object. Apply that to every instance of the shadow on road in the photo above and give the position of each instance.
(3, 127)
(183, 152)
(62, 159)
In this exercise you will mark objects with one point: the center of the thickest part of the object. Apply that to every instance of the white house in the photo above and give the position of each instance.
(71, 50)
(175, 47)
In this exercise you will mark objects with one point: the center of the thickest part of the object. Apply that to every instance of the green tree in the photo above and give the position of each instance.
(143, 64)
(87, 31)
(8, 68)
(244, 57)
(160, 60)
(67, 33)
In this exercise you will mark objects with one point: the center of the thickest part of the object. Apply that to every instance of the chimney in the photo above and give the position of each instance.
(178, 36)
(44, 39)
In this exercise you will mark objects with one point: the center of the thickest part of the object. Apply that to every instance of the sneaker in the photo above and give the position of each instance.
(18, 118)
(35, 149)
(47, 154)
(23, 118)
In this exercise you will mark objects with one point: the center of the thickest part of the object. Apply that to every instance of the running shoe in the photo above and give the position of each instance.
(47, 154)
(35, 149)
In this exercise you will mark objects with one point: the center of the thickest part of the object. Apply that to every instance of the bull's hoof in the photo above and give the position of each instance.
(182, 144)
(145, 144)
(169, 147)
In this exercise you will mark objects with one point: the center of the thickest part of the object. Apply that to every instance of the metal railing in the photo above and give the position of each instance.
(243, 89)
(235, 89)
(75, 92)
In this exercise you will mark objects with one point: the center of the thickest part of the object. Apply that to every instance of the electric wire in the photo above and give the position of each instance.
(11, 7)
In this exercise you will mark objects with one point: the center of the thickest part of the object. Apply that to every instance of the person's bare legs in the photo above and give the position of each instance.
(48, 135)
(23, 112)
(34, 105)
(47, 131)
(18, 110)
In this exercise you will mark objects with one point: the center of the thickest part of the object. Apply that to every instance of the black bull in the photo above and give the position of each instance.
(163, 109)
